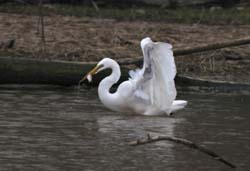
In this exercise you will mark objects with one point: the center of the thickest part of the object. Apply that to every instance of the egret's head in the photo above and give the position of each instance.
(145, 41)
(103, 64)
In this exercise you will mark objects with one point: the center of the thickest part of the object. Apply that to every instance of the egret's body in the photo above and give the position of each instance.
(150, 90)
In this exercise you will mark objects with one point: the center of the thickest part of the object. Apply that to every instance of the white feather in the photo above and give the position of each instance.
(156, 79)
(163, 91)
(150, 90)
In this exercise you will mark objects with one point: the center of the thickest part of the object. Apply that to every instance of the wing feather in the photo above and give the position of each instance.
(156, 79)
(163, 91)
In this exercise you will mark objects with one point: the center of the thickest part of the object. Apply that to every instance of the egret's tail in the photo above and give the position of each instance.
(178, 105)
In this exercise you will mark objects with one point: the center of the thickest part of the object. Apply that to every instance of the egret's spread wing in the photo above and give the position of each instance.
(162, 86)
(156, 79)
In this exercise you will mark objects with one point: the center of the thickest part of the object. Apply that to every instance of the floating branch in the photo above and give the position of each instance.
(185, 142)
(189, 50)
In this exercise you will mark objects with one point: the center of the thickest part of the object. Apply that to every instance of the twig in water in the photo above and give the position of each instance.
(185, 142)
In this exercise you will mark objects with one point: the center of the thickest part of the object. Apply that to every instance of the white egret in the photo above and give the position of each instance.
(149, 90)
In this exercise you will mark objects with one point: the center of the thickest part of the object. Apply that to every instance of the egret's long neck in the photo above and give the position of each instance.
(106, 83)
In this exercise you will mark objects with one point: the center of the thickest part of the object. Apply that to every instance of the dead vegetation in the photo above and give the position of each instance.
(88, 39)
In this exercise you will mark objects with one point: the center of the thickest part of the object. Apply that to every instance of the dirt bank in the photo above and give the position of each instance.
(85, 39)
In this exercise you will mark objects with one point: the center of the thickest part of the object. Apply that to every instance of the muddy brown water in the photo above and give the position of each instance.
(55, 128)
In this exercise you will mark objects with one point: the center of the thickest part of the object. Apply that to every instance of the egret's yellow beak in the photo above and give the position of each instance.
(90, 73)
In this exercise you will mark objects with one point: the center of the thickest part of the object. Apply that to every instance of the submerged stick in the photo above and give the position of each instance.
(185, 142)
(189, 50)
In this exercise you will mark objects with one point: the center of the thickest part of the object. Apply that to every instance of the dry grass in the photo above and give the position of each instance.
(88, 39)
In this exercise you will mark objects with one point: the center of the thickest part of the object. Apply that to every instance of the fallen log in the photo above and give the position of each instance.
(33, 71)
(185, 142)
(189, 50)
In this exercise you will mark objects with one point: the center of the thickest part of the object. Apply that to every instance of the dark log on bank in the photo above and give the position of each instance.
(32, 71)
(185, 142)
(186, 83)
(24, 71)
(15, 70)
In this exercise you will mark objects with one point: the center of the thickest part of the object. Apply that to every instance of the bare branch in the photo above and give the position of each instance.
(185, 142)
(95, 5)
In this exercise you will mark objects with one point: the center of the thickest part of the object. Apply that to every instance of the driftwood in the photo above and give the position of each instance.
(189, 50)
(185, 142)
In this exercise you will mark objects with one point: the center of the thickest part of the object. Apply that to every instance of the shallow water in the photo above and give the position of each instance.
(45, 128)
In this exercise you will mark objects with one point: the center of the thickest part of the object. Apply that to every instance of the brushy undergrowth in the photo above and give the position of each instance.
(236, 15)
